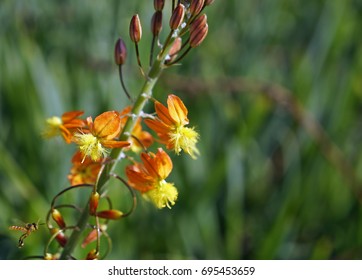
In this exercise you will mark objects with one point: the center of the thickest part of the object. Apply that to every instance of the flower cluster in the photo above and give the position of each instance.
(94, 138)
(121, 135)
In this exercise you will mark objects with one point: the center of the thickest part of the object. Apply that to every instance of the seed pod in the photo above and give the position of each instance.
(135, 29)
(110, 214)
(58, 218)
(198, 36)
(120, 52)
(159, 4)
(93, 203)
(177, 16)
(196, 6)
(156, 23)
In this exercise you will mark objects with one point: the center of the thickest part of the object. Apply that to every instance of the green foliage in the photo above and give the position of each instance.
(262, 187)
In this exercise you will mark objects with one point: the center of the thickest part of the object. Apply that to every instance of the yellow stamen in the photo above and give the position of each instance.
(52, 128)
(164, 194)
(89, 145)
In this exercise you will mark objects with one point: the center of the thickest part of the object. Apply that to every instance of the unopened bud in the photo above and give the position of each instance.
(158, 4)
(198, 36)
(93, 203)
(177, 16)
(176, 46)
(92, 255)
(156, 23)
(135, 29)
(208, 2)
(120, 52)
(92, 236)
(110, 214)
(198, 23)
(58, 218)
(49, 256)
(196, 6)
(61, 238)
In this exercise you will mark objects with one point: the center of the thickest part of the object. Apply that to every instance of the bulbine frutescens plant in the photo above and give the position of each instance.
(118, 135)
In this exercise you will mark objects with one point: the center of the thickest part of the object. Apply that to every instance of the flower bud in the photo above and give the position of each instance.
(135, 29)
(208, 2)
(58, 218)
(92, 255)
(49, 256)
(120, 52)
(156, 23)
(61, 238)
(93, 203)
(198, 23)
(177, 16)
(158, 4)
(91, 237)
(196, 6)
(198, 36)
(176, 46)
(110, 214)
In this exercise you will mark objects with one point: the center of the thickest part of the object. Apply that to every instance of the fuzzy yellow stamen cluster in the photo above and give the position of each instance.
(164, 194)
(89, 145)
(185, 138)
(52, 127)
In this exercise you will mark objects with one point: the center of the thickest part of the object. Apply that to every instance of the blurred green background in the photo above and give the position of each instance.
(262, 187)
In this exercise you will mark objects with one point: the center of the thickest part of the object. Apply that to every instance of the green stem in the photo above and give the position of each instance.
(116, 154)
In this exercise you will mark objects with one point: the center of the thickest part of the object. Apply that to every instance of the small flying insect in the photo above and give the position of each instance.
(28, 228)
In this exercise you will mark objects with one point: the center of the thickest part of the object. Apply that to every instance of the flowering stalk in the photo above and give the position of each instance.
(121, 131)
(116, 154)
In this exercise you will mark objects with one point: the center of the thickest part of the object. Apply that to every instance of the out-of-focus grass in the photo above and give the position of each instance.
(261, 189)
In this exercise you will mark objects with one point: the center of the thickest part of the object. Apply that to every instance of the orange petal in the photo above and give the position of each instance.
(139, 181)
(67, 135)
(115, 144)
(164, 163)
(150, 164)
(177, 110)
(157, 126)
(68, 116)
(163, 113)
(77, 123)
(107, 125)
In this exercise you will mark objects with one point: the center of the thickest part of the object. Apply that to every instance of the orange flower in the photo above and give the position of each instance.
(64, 126)
(149, 178)
(141, 139)
(102, 132)
(170, 126)
(85, 172)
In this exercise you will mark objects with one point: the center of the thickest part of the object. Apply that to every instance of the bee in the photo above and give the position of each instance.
(28, 228)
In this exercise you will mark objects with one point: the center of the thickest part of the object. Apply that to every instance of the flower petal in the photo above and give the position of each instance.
(177, 110)
(150, 164)
(107, 125)
(163, 113)
(68, 116)
(138, 179)
(114, 143)
(164, 164)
